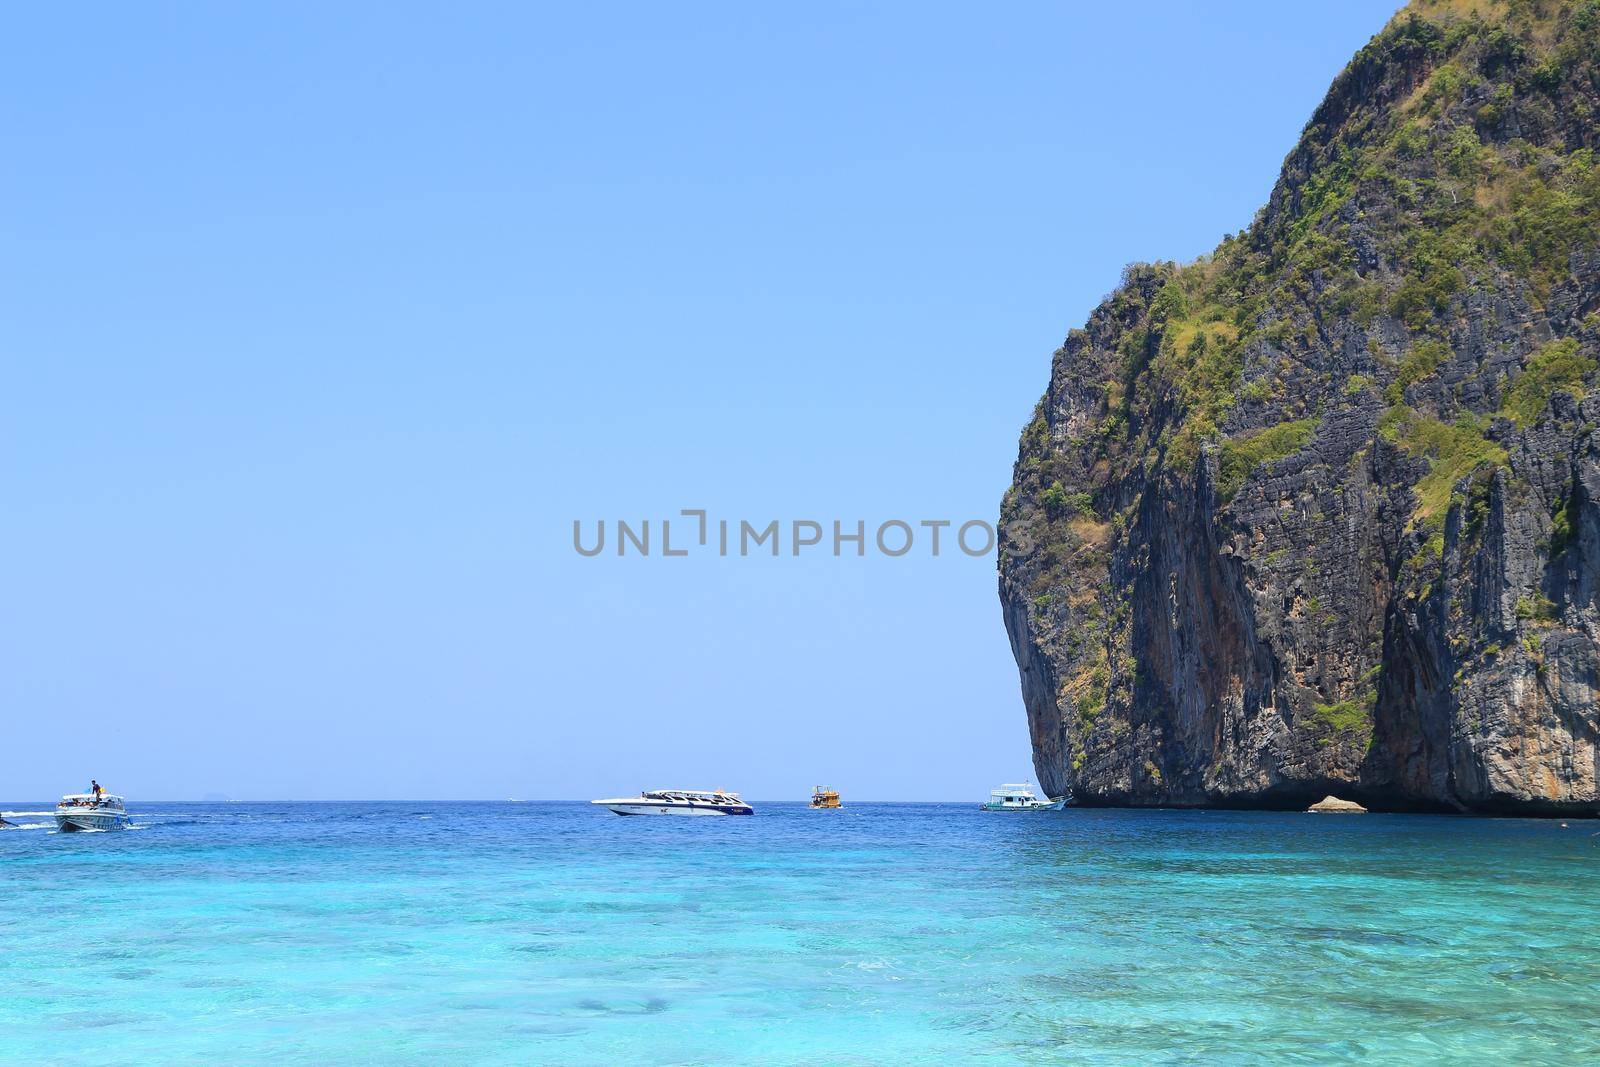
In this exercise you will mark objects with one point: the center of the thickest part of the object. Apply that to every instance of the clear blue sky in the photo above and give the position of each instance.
(319, 324)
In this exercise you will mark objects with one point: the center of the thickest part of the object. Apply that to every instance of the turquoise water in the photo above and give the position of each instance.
(557, 933)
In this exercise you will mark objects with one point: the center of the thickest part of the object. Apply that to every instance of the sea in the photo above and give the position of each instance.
(557, 933)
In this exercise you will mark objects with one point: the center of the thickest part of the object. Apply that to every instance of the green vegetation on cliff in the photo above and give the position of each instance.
(1453, 450)
(1556, 366)
(1241, 455)
(1344, 719)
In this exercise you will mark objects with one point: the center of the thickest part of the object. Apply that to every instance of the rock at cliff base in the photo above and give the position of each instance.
(1335, 804)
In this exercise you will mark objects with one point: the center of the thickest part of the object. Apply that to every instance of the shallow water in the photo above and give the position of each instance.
(558, 933)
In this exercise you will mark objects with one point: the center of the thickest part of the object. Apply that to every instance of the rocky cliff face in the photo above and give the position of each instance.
(1320, 513)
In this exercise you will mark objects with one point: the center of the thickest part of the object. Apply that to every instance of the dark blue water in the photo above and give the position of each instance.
(558, 933)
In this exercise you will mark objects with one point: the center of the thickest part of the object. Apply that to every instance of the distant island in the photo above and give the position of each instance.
(1320, 513)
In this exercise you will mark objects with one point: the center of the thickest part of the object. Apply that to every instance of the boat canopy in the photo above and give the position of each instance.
(78, 800)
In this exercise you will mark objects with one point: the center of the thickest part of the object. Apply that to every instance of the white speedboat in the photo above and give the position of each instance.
(91, 811)
(1021, 797)
(679, 802)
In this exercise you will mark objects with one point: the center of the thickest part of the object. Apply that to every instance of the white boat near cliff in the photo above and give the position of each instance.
(679, 802)
(1019, 796)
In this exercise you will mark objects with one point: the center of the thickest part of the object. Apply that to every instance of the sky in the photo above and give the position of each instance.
(321, 324)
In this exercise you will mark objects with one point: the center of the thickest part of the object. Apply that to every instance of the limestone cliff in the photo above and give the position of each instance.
(1320, 512)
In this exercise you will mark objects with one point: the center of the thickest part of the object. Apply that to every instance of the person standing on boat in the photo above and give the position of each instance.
(94, 787)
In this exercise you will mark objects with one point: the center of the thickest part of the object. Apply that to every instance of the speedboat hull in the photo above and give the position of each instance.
(653, 802)
(1040, 805)
(696, 809)
(68, 821)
